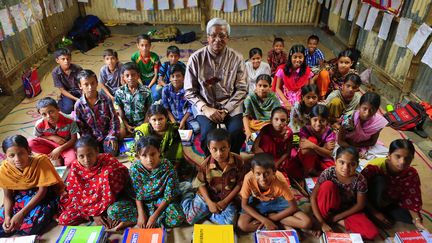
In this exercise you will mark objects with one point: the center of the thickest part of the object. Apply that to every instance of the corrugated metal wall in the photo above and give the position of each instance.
(105, 11)
(283, 12)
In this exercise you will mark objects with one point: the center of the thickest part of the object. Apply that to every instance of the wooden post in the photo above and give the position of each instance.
(318, 15)
(47, 29)
(415, 63)
(352, 42)
(82, 10)
(205, 13)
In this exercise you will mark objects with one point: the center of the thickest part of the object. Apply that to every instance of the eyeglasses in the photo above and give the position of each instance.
(218, 35)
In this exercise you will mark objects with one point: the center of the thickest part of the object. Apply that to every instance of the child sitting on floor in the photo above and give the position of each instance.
(55, 133)
(276, 139)
(344, 101)
(394, 187)
(363, 127)
(148, 64)
(255, 67)
(267, 200)
(339, 196)
(219, 181)
(299, 115)
(93, 184)
(95, 114)
(179, 109)
(65, 77)
(133, 100)
(110, 75)
(291, 77)
(259, 105)
(276, 56)
(156, 190)
(31, 188)
(173, 55)
(317, 142)
(313, 55)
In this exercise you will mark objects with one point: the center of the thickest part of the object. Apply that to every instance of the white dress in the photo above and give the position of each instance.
(252, 73)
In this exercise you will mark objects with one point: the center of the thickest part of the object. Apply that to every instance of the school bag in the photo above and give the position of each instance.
(406, 117)
(31, 83)
(186, 37)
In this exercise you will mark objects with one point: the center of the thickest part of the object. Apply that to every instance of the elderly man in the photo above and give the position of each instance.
(215, 83)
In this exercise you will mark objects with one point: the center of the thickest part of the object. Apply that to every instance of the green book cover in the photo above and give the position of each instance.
(80, 234)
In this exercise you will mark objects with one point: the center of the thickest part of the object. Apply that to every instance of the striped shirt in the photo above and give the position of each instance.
(64, 128)
(314, 59)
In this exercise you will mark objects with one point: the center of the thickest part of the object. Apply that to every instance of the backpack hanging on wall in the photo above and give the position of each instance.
(31, 83)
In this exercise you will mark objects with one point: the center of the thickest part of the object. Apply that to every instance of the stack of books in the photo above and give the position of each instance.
(331, 237)
(20, 239)
(414, 236)
(209, 233)
(134, 235)
(276, 236)
(79, 234)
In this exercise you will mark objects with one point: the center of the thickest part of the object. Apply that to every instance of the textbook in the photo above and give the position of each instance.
(310, 184)
(331, 237)
(276, 236)
(210, 233)
(20, 239)
(413, 236)
(134, 235)
(186, 136)
(79, 234)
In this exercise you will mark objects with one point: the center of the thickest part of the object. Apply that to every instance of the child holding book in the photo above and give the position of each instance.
(259, 105)
(255, 67)
(394, 187)
(133, 100)
(218, 181)
(31, 188)
(110, 75)
(300, 113)
(362, 128)
(276, 139)
(148, 64)
(95, 114)
(156, 190)
(317, 142)
(276, 56)
(93, 184)
(339, 196)
(267, 200)
(65, 77)
(55, 133)
(291, 77)
(179, 109)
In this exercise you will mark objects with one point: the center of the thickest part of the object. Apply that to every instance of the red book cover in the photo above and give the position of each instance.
(413, 236)
(331, 237)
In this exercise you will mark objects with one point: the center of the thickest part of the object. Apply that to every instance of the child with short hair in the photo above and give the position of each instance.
(148, 64)
(291, 77)
(255, 67)
(31, 188)
(313, 55)
(276, 139)
(66, 80)
(173, 55)
(394, 187)
(179, 109)
(259, 105)
(55, 133)
(276, 56)
(362, 128)
(95, 114)
(156, 191)
(345, 100)
(339, 196)
(317, 141)
(110, 75)
(133, 100)
(331, 78)
(94, 182)
(219, 181)
(267, 200)
(299, 115)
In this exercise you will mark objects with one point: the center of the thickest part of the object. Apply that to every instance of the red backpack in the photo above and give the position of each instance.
(406, 117)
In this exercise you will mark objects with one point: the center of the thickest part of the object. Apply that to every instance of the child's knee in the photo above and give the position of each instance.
(243, 222)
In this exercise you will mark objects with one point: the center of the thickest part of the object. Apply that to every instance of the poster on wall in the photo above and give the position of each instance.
(241, 5)
(228, 6)
(192, 3)
(217, 4)
(178, 4)
(6, 22)
(50, 7)
(254, 2)
(36, 9)
(147, 4)
(28, 13)
(419, 38)
(163, 4)
(18, 15)
(391, 6)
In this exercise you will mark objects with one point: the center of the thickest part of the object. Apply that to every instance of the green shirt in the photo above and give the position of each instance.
(134, 106)
(146, 69)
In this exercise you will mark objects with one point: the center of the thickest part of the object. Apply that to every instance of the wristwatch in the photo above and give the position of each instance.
(226, 111)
